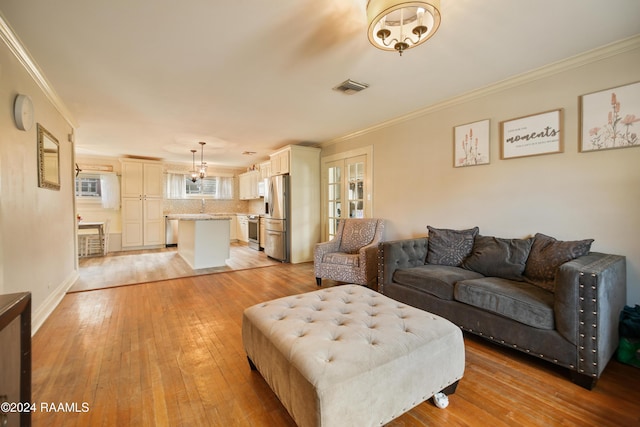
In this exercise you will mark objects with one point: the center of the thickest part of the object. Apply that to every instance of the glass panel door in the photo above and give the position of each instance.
(355, 182)
(334, 196)
(346, 189)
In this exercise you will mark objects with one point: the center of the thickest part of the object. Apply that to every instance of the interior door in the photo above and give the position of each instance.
(354, 182)
(334, 196)
(346, 192)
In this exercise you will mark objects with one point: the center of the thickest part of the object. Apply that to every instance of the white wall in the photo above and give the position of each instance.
(569, 196)
(37, 241)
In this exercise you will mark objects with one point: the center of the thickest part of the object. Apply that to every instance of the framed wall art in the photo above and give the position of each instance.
(471, 144)
(610, 118)
(532, 135)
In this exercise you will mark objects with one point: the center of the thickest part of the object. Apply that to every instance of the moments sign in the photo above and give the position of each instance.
(531, 135)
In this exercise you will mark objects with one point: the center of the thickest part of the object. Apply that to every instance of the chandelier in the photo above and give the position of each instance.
(401, 25)
(203, 164)
(202, 171)
(194, 172)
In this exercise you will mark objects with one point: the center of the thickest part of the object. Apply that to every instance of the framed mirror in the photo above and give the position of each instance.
(48, 160)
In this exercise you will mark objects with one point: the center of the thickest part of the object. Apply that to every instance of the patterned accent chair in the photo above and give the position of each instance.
(352, 255)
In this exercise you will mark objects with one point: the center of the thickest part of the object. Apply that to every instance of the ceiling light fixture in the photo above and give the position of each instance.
(203, 164)
(194, 172)
(401, 25)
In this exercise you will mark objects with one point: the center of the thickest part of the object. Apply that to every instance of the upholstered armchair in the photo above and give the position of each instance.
(352, 255)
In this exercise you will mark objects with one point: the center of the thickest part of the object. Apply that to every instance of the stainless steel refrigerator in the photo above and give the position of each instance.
(277, 218)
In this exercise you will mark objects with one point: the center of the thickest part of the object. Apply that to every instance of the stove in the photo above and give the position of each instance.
(253, 223)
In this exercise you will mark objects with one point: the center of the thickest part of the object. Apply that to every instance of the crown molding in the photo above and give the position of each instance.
(16, 47)
(570, 63)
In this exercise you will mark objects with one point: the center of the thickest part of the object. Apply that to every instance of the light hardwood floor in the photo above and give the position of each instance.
(169, 353)
(132, 267)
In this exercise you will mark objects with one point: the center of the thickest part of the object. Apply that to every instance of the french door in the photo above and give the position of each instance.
(346, 190)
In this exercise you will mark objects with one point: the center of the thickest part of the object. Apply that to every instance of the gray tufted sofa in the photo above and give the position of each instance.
(573, 324)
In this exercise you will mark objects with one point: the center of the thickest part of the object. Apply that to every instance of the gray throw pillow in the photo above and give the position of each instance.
(449, 247)
(548, 254)
(498, 257)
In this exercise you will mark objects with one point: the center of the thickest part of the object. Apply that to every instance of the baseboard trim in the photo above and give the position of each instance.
(45, 309)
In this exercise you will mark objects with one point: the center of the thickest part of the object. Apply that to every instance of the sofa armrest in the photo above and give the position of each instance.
(590, 293)
(369, 259)
(399, 254)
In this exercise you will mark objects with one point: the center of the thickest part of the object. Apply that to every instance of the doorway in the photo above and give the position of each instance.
(346, 189)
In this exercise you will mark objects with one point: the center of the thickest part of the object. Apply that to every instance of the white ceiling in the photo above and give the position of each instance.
(154, 77)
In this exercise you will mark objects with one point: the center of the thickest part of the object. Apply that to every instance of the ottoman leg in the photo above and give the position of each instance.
(451, 389)
(319, 281)
(251, 365)
(440, 399)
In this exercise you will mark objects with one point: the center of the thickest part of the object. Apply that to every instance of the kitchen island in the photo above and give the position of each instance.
(203, 239)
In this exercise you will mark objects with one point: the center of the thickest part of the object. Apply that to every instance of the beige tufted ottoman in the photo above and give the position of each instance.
(349, 356)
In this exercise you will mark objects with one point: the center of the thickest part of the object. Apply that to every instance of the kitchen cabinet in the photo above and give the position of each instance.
(265, 169)
(280, 162)
(243, 228)
(243, 181)
(263, 232)
(233, 228)
(142, 204)
(142, 178)
(249, 185)
(204, 242)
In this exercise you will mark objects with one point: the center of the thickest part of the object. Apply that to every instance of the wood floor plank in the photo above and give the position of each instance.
(170, 353)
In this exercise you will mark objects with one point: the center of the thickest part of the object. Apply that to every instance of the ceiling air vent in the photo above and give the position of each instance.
(350, 87)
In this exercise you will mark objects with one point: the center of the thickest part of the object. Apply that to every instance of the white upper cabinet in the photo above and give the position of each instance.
(141, 179)
(280, 162)
(249, 185)
(265, 169)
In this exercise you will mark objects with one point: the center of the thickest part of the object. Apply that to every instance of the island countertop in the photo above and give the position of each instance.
(199, 217)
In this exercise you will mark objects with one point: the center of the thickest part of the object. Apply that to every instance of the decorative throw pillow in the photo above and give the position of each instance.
(497, 257)
(547, 254)
(450, 247)
(356, 234)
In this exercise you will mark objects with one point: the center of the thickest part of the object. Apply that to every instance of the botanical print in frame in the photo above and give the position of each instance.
(471, 144)
(532, 135)
(610, 118)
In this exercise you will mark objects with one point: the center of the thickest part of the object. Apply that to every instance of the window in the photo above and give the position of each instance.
(101, 188)
(202, 187)
(180, 186)
(88, 186)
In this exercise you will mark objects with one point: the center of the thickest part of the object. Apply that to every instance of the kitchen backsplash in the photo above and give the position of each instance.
(177, 206)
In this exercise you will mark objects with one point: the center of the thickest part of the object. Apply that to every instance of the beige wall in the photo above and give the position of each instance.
(569, 196)
(37, 244)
